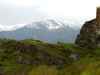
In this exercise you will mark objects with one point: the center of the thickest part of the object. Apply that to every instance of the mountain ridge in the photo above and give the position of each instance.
(49, 23)
(49, 30)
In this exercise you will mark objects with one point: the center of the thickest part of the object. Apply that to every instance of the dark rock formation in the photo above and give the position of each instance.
(89, 36)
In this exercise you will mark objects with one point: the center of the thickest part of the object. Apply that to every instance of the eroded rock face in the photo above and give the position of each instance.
(89, 36)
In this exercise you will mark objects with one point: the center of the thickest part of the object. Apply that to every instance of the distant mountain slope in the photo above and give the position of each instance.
(48, 30)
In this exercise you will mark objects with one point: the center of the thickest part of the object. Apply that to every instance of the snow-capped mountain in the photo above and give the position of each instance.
(53, 24)
(46, 30)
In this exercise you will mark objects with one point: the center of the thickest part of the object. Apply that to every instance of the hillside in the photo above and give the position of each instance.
(34, 57)
(20, 54)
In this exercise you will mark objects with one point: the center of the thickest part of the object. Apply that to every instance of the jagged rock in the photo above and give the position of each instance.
(89, 36)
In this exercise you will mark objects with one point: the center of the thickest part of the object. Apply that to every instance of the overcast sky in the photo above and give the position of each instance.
(24, 11)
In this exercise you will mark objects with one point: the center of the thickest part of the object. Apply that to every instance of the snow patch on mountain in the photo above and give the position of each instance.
(50, 24)
(53, 24)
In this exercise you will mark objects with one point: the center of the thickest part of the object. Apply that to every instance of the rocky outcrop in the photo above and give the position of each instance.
(89, 36)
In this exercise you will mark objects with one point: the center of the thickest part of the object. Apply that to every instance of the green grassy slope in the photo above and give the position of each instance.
(34, 57)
